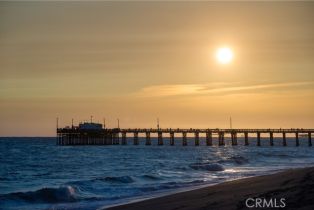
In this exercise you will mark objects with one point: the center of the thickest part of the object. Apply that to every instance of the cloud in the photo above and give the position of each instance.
(211, 88)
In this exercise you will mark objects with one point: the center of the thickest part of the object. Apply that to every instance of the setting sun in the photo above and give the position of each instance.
(224, 55)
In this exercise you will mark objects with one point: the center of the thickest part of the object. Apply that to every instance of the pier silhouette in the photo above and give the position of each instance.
(97, 134)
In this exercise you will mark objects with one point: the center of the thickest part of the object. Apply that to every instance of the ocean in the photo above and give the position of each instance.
(35, 173)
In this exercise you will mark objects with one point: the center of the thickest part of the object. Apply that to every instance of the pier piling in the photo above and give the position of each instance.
(297, 143)
(271, 139)
(284, 141)
(148, 141)
(221, 138)
(171, 138)
(246, 138)
(160, 140)
(123, 141)
(135, 139)
(209, 138)
(234, 140)
(184, 141)
(258, 139)
(197, 139)
(115, 138)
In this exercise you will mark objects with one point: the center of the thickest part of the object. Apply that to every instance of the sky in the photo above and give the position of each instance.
(139, 61)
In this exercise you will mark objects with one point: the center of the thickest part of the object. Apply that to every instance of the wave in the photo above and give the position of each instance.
(169, 185)
(101, 180)
(207, 166)
(4, 178)
(151, 177)
(117, 179)
(182, 168)
(282, 155)
(46, 195)
(239, 160)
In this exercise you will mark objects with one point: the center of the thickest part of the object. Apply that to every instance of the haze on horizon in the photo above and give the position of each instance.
(137, 61)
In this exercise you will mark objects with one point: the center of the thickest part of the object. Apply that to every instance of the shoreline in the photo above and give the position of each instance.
(170, 192)
(156, 195)
(295, 186)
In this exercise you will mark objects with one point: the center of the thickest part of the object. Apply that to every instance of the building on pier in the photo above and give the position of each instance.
(90, 126)
(87, 134)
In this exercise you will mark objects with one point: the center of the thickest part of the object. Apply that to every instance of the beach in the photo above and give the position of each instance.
(294, 186)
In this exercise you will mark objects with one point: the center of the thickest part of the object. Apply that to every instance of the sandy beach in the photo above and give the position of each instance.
(290, 189)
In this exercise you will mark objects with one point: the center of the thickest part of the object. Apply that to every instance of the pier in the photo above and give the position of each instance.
(96, 134)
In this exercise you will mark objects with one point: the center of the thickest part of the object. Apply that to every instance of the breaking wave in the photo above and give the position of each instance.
(46, 195)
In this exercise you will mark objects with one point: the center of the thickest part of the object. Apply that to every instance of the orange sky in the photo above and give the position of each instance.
(138, 61)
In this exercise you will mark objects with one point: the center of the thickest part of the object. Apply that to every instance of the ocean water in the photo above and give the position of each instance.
(37, 174)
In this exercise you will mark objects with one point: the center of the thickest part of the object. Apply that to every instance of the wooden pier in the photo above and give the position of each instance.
(98, 135)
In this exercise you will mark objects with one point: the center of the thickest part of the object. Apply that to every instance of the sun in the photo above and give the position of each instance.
(224, 55)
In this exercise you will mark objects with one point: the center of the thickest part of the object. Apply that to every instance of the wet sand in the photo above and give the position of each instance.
(296, 186)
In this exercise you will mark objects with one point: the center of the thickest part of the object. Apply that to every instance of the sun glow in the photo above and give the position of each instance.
(224, 55)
